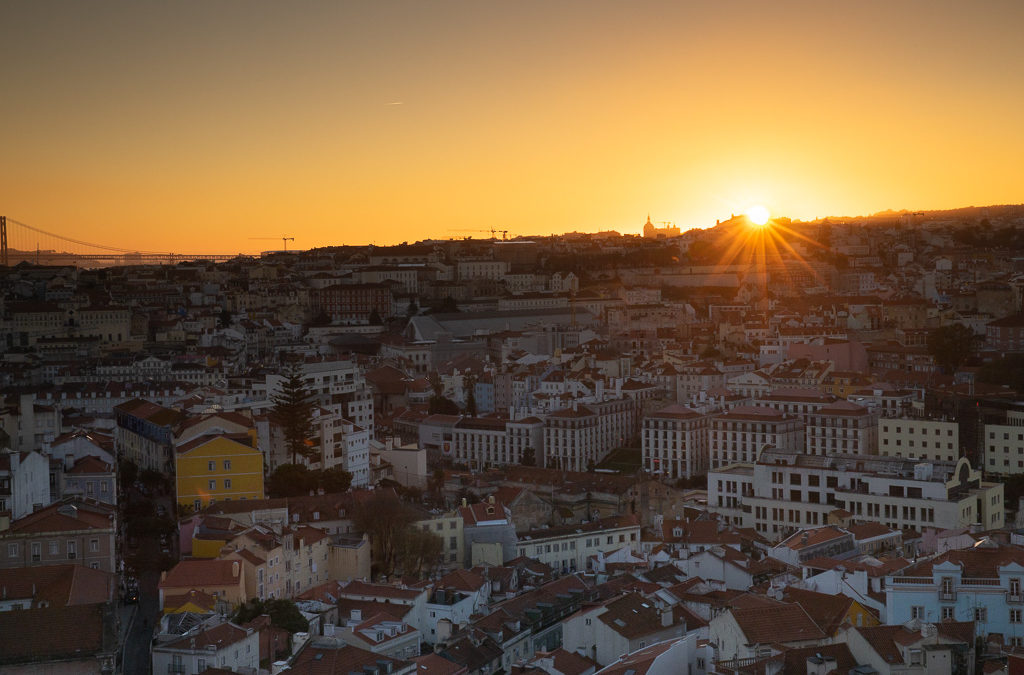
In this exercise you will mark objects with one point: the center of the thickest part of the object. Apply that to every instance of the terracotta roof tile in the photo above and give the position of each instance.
(784, 623)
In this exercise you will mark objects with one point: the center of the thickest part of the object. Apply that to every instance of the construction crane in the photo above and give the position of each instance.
(493, 231)
(284, 240)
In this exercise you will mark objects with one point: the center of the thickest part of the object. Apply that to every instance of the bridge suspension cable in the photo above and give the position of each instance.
(79, 242)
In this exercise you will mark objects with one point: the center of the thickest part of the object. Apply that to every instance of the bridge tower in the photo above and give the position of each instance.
(3, 241)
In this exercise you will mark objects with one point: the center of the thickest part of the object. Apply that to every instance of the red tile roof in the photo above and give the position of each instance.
(67, 516)
(784, 623)
(196, 573)
(54, 633)
(435, 664)
(58, 585)
(348, 659)
(979, 561)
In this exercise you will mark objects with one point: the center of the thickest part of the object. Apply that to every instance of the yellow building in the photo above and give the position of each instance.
(221, 467)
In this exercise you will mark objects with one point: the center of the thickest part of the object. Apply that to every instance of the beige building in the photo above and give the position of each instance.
(915, 438)
(1004, 445)
(675, 442)
(450, 528)
(842, 427)
(740, 434)
(71, 531)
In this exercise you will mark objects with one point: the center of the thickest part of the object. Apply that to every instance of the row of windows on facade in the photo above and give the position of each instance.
(923, 430)
(52, 548)
(541, 549)
(980, 614)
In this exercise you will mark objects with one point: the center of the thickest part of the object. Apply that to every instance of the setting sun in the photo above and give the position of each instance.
(758, 214)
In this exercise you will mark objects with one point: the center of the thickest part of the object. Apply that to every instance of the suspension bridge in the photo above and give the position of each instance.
(21, 242)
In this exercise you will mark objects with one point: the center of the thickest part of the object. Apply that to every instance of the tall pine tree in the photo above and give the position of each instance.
(293, 412)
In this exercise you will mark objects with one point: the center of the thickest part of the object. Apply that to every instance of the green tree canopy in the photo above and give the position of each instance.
(294, 480)
(293, 412)
(283, 614)
(951, 346)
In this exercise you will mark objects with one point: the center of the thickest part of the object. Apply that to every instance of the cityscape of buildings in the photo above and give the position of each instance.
(788, 448)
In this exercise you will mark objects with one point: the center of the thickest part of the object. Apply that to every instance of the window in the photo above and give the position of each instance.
(52, 548)
(12, 550)
(211, 465)
(72, 550)
(947, 613)
(94, 545)
(213, 484)
(227, 483)
(1015, 616)
(197, 504)
(981, 614)
(227, 464)
(917, 612)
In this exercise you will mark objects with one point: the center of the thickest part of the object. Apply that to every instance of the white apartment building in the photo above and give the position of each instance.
(576, 438)
(24, 483)
(674, 442)
(343, 443)
(792, 490)
(481, 442)
(914, 438)
(568, 548)
(887, 401)
(732, 484)
(1004, 445)
(842, 427)
(217, 644)
(740, 434)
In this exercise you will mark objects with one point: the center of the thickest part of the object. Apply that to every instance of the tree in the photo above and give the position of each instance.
(384, 517)
(291, 480)
(334, 479)
(153, 480)
(529, 457)
(128, 472)
(439, 405)
(293, 412)
(417, 552)
(470, 386)
(951, 346)
(283, 614)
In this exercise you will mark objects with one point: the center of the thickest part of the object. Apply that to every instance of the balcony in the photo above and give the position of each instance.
(947, 595)
(1015, 597)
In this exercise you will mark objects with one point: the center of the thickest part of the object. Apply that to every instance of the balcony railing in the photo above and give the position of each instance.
(947, 595)
(907, 581)
(1012, 596)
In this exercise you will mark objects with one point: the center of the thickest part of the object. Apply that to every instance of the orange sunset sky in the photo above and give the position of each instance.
(193, 126)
